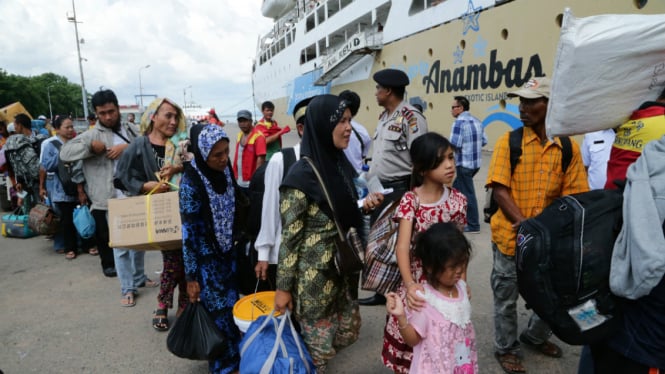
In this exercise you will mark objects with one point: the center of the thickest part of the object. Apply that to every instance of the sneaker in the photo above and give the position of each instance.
(469, 231)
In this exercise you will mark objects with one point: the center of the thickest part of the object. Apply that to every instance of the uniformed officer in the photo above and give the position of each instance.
(399, 124)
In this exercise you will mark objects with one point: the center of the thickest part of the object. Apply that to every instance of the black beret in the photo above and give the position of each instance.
(391, 78)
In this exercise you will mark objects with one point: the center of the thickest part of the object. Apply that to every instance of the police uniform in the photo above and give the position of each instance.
(391, 161)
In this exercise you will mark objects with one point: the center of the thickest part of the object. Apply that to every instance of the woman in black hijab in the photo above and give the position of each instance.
(324, 303)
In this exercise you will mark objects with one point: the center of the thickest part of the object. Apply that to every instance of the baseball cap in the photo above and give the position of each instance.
(42, 117)
(244, 114)
(10, 127)
(534, 89)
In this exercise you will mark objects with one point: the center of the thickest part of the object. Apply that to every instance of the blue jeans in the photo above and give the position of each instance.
(129, 265)
(464, 183)
(504, 286)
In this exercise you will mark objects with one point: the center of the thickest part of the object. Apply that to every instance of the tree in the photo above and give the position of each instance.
(33, 93)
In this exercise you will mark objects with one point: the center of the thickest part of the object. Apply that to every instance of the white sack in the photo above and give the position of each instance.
(605, 67)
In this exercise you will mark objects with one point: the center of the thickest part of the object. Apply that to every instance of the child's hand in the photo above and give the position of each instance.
(285, 130)
(394, 304)
(414, 299)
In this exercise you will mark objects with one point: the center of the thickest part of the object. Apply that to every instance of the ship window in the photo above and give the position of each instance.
(308, 54)
(344, 3)
(321, 14)
(282, 43)
(310, 23)
(322, 46)
(333, 7)
(288, 39)
(418, 6)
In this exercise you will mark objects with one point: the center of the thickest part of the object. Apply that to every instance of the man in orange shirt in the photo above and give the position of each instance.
(251, 145)
(537, 180)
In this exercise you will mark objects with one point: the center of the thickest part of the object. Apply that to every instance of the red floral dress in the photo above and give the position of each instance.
(451, 207)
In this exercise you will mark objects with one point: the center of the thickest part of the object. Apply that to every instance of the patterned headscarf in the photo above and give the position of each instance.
(222, 198)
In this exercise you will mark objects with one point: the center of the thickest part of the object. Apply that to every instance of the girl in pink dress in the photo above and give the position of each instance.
(429, 202)
(441, 332)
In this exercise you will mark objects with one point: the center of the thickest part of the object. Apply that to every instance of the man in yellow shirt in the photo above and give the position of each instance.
(537, 180)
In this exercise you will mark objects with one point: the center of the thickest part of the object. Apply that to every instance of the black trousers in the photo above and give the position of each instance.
(608, 361)
(102, 239)
(66, 212)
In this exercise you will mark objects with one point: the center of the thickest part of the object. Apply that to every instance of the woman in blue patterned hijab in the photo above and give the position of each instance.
(207, 206)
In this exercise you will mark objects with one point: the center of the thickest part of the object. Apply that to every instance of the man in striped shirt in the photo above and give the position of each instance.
(468, 137)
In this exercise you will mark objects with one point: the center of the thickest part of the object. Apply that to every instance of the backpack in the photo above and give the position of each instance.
(257, 189)
(515, 144)
(563, 258)
(22, 154)
(66, 170)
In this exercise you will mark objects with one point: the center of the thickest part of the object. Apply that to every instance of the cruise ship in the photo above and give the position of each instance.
(480, 49)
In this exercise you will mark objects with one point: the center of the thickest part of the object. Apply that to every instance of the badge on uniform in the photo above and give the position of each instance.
(413, 125)
(394, 128)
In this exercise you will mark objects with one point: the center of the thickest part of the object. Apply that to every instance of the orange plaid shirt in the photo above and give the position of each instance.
(536, 182)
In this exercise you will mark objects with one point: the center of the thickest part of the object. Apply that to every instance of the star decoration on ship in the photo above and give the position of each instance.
(458, 54)
(470, 18)
(479, 46)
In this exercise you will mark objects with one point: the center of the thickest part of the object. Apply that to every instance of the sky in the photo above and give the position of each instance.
(200, 48)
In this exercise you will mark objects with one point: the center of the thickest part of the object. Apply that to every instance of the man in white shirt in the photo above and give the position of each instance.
(360, 140)
(269, 238)
(596, 149)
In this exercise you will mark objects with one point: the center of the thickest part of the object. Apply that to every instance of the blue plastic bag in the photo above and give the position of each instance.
(269, 347)
(84, 222)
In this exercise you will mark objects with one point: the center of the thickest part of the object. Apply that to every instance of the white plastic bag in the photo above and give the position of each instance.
(605, 67)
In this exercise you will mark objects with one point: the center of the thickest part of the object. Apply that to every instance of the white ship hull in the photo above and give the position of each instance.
(480, 49)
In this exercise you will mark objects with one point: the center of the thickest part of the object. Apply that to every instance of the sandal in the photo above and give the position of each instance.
(128, 299)
(70, 255)
(160, 321)
(510, 363)
(547, 348)
(93, 251)
(148, 283)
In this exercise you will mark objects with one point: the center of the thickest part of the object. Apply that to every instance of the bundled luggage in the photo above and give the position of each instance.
(16, 225)
(563, 260)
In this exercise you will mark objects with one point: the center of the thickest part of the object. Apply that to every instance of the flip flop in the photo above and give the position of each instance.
(510, 363)
(128, 300)
(70, 255)
(160, 323)
(93, 251)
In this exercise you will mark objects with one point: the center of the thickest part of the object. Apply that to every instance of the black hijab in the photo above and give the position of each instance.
(323, 114)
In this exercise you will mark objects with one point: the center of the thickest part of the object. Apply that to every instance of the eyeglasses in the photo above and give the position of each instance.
(455, 106)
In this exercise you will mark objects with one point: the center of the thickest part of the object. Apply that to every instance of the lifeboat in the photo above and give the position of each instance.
(275, 9)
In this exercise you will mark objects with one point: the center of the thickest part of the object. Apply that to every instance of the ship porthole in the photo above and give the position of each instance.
(429, 51)
(430, 105)
(383, 63)
(641, 3)
(502, 104)
(404, 58)
(559, 19)
(462, 43)
(504, 34)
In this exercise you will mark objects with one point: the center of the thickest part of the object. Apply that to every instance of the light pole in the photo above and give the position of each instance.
(50, 109)
(78, 49)
(141, 85)
(184, 96)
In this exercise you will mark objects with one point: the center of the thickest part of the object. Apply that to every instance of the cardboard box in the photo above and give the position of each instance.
(148, 222)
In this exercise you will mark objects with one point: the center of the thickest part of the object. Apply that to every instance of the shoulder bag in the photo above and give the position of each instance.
(381, 273)
(348, 247)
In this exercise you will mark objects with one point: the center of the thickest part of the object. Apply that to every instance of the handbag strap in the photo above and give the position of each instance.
(279, 343)
(325, 192)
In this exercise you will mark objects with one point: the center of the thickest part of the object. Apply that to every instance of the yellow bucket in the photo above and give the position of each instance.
(251, 307)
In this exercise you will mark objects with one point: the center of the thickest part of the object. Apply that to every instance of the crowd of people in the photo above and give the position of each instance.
(428, 176)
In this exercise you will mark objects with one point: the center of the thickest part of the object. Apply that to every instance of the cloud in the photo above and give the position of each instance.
(206, 44)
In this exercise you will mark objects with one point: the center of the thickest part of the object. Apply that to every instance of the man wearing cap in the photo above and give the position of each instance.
(251, 146)
(536, 181)
(399, 124)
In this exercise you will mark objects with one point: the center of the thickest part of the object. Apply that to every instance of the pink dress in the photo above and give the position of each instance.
(451, 207)
(448, 342)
